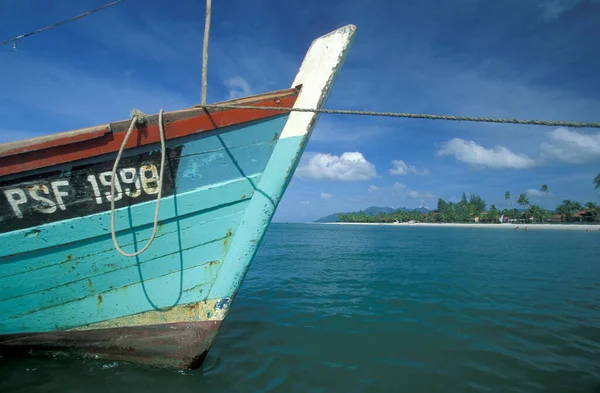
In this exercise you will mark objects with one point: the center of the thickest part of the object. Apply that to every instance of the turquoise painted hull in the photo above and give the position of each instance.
(64, 284)
(66, 276)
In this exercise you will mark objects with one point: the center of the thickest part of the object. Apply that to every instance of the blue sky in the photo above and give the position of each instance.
(510, 58)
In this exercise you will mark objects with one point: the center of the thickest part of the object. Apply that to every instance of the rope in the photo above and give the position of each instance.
(20, 37)
(205, 53)
(549, 123)
(137, 118)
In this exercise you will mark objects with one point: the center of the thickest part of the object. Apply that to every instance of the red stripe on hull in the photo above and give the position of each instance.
(22, 156)
(180, 345)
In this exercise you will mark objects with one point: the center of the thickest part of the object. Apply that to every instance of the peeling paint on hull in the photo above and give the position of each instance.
(178, 345)
(63, 287)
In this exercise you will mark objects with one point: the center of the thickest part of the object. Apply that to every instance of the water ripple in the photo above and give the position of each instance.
(365, 309)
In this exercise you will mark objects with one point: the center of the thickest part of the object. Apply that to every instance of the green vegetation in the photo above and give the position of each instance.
(473, 209)
(399, 215)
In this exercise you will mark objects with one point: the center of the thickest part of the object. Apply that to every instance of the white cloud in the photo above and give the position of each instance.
(350, 166)
(238, 87)
(532, 192)
(305, 202)
(562, 144)
(572, 146)
(477, 155)
(412, 194)
(373, 188)
(399, 167)
(325, 196)
(398, 186)
(553, 9)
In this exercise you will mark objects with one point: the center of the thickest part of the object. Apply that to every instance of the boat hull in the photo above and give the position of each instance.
(174, 345)
(63, 287)
(63, 284)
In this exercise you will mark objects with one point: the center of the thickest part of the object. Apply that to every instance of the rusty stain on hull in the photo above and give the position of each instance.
(180, 344)
(176, 314)
(65, 319)
(178, 337)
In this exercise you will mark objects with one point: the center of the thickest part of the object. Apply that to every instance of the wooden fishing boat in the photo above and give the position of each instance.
(88, 268)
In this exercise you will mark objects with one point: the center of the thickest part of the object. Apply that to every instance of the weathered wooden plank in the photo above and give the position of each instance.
(78, 229)
(85, 190)
(94, 259)
(163, 291)
(23, 156)
(141, 302)
(182, 260)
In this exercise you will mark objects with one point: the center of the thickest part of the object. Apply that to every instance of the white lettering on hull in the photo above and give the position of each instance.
(49, 199)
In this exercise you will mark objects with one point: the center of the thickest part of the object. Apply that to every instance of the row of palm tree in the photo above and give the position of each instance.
(473, 208)
(399, 215)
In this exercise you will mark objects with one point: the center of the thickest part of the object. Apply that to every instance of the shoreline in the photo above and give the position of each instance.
(566, 227)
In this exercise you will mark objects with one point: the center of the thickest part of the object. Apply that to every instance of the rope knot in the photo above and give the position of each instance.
(138, 116)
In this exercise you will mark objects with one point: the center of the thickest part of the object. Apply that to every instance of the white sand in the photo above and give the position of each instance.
(530, 227)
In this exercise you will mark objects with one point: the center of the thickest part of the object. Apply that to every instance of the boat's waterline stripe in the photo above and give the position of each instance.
(205, 310)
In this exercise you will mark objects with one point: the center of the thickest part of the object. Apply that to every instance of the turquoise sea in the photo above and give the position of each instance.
(328, 308)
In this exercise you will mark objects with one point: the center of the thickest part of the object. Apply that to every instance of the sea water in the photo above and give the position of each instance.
(332, 308)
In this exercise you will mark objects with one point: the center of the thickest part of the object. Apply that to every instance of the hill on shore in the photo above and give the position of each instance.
(372, 210)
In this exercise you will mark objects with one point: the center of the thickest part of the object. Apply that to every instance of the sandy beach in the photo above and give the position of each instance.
(530, 227)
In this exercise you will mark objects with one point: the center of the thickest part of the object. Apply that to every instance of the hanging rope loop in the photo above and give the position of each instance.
(137, 118)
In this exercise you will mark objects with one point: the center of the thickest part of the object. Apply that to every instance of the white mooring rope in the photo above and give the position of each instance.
(547, 123)
(137, 117)
(205, 53)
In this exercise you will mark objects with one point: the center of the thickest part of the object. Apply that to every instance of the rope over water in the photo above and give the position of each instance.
(137, 118)
(547, 123)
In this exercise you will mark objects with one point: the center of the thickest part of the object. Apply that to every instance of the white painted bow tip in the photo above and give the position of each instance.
(317, 73)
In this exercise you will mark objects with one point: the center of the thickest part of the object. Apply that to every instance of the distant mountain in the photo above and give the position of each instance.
(329, 218)
(372, 210)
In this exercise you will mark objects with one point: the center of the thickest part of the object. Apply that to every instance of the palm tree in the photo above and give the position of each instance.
(507, 197)
(493, 214)
(536, 212)
(597, 180)
(544, 189)
(568, 208)
(593, 210)
(523, 201)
